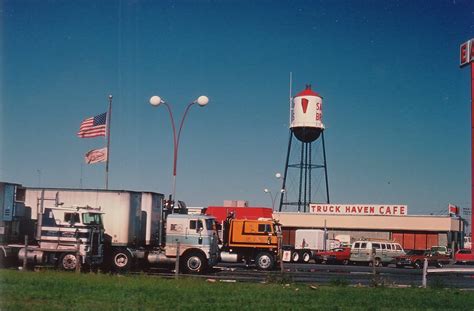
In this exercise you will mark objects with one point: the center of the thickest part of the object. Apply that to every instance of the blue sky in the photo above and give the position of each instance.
(396, 103)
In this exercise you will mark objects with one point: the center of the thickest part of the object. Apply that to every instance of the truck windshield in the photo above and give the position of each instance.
(92, 219)
(211, 224)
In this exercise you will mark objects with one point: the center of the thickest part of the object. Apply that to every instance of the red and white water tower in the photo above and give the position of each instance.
(306, 126)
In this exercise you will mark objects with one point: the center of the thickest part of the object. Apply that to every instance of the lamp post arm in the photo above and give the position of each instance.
(174, 134)
(179, 135)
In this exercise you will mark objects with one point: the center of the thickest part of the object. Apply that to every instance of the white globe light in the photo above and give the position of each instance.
(266, 190)
(155, 100)
(202, 100)
(278, 175)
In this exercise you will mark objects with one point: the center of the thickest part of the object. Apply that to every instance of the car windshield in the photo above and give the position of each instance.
(92, 218)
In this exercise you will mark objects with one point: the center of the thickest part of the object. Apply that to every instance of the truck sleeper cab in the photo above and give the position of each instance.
(385, 252)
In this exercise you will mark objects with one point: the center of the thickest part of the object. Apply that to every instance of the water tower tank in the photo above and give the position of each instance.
(307, 115)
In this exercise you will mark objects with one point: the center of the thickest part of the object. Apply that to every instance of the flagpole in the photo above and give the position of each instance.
(109, 119)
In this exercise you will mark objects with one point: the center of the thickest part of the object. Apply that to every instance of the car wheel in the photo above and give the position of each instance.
(378, 262)
(439, 265)
(345, 262)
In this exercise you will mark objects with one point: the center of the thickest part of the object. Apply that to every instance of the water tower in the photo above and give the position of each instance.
(305, 166)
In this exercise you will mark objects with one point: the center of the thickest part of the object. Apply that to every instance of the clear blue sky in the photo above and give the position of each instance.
(396, 103)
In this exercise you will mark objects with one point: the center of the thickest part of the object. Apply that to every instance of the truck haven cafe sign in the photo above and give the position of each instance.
(358, 209)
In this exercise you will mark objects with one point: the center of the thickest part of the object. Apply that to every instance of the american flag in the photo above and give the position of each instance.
(93, 126)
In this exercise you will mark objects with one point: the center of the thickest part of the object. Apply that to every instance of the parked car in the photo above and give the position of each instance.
(416, 258)
(380, 252)
(340, 255)
(443, 250)
(463, 256)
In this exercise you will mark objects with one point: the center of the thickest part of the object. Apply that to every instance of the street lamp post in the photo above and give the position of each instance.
(156, 101)
(273, 197)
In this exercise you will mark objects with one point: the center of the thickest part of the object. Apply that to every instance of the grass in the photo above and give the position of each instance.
(52, 290)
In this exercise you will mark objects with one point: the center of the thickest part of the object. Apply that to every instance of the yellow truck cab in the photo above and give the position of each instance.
(251, 240)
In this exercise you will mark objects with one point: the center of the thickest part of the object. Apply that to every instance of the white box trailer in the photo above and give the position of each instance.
(312, 239)
(307, 242)
(131, 218)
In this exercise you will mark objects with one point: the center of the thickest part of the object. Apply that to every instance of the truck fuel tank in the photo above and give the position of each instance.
(32, 256)
(229, 257)
(157, 257)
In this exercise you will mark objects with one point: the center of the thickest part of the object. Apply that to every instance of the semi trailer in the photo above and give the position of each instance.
(140, 231)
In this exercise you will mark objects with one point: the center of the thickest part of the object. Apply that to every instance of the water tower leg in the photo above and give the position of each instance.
(286, 171)
(301, 176)
(325, 168)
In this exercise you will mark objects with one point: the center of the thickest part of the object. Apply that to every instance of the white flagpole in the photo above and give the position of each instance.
(109, 118)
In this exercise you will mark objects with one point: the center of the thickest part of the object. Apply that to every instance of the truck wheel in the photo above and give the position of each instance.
(306, 257)
(68, 262)
(295, 256)
(264, 261)
(194, 263)
(121, 260)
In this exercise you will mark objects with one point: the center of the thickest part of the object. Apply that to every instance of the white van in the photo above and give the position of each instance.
(385, 252)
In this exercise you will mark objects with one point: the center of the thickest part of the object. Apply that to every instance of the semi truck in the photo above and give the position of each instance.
(66, 237)
(251, 240)
(140, 231)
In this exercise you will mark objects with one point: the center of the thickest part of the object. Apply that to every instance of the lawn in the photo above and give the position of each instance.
(52, 290)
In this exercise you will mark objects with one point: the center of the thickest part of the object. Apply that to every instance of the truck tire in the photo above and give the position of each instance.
(121, 260)
(68, 262)
(295, 256)
(264, 261)
(194, 263)
(306, 257)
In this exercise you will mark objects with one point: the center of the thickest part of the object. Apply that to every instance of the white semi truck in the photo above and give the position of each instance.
(65, 237)
(139, 230)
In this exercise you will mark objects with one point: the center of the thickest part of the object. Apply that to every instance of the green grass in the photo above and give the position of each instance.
(60, 291)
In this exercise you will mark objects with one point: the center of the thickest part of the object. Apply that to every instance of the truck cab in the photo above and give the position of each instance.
(66, 234)
(251, 240)
(196, 238)
(190, 241)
